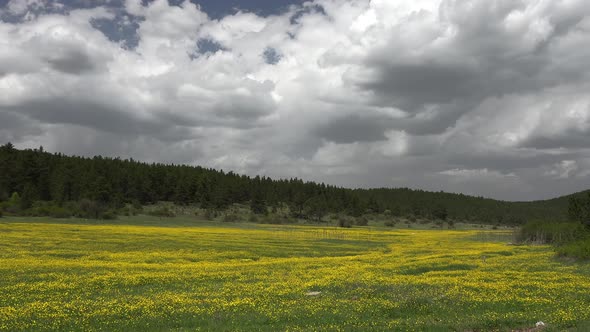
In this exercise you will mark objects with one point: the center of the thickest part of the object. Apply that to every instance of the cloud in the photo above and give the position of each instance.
(353, 128)
(563, 170)
(467, 174)
(483, 97)
(19, 7)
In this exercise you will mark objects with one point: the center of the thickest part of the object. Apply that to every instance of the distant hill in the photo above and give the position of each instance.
(39, 176)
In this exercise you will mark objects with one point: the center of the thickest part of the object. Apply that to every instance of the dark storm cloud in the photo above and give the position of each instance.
(354, 128)
(505, 161)
(245, 108)
(72, 62)
(14, 127)
(571, 139)
(11, 120)
(434, 118)
(99, 116)
(411, 86)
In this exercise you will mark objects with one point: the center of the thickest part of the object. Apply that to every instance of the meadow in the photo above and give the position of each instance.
(161, 275)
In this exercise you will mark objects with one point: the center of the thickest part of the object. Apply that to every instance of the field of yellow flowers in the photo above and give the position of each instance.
(243, 277)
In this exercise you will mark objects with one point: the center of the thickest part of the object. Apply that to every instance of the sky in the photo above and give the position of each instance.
(482, 97)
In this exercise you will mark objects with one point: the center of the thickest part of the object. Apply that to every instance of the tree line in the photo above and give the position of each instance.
(91, 187)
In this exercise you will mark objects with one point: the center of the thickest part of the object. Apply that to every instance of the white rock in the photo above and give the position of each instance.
(313, 293)
(539, 324)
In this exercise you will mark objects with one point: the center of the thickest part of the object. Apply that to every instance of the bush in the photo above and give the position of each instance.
(163, 212)
(578, 249)
(451, 223)
(230, 217)
(129, 210)
(89, 209)
(274, 220)
(13, 204)
(125, 211)
(361, 221)
(389, 223)
(108, 215)
(1, 212)
(344, 222)
(136, 205)
(48, 209)
(59, 212)
(210, 214)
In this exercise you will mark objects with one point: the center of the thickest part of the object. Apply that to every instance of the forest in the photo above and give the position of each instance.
(34, 182)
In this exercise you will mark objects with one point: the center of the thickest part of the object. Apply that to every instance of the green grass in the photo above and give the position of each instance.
(182, 274)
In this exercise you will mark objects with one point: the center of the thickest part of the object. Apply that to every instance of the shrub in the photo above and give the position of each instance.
(451, 223)
(210, 214)
(129, 210)
(274, 220)
(88, 209)
(389, 223)
(59, 212)
(286, 220)
(136, 205)
(13, 204)
(344, 222)
(47, 209)
(126, 211)
(1, 212)
(230, 217)
(108, 215)
(163, 212)
(578, 249)
(361, 221)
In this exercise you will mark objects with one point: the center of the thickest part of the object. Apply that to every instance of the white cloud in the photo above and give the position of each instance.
(19, 7)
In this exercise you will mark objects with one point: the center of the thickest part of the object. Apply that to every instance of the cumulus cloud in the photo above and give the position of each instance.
(482, 97)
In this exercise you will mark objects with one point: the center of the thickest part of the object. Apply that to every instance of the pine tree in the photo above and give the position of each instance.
(315, 207)
(258, 204)
(28, 197)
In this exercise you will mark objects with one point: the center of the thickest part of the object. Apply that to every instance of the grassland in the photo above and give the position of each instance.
(155, 275)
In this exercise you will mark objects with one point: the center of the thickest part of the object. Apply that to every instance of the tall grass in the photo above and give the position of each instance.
(571, 239)
(538, 232)
(578, 249)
